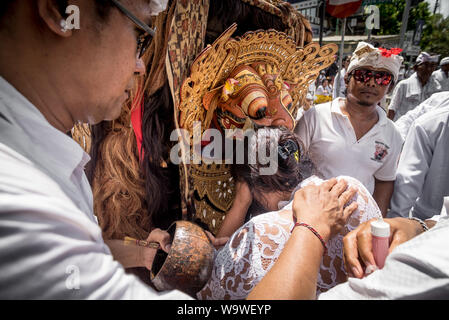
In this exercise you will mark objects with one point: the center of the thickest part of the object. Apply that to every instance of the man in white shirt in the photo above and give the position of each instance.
(51, 245)
(422, 179)
(437, 100)
(418, 87)
(353, 136)
(340, 78)
(441, 76)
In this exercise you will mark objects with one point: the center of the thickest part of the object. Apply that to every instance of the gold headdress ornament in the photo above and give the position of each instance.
(298, 67)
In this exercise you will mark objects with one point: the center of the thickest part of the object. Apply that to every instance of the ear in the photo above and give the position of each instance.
(51, 17)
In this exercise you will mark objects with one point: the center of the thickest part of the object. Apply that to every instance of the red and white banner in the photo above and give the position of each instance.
(342, 8)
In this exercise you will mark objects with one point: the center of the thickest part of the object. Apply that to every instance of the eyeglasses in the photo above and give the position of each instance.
(382, 78)
(143, 42)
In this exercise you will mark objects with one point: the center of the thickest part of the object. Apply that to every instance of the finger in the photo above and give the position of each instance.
(364, 245)
(351, 255)
(349, 210)
(210, 236)
(162, 237)
(398, 238)
(327, 185)
(339, 187)
(219, 242)
(346, 196)
(216, 242)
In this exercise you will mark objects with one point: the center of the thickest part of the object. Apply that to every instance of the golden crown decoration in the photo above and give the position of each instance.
(298, 67)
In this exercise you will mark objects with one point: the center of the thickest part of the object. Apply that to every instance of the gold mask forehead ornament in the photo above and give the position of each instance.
(272, 50)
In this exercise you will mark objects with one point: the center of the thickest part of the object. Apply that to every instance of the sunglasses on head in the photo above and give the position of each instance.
(382, 78)
(143, 41)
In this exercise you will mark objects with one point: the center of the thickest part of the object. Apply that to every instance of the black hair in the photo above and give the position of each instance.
(223, 13)
(161, 184)
(292, 169)
(346, 58)
(5, 6)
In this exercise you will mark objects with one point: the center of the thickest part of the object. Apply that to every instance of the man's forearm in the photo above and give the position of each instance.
(129, 256)
(383, 190)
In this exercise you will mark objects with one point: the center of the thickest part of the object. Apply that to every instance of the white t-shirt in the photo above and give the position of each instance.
(423, 170)
(441, 79)
(437, 100)
(409, 93)
(330, 139)
(51, 245)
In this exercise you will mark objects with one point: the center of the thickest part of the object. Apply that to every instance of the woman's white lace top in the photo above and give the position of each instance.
(254, 248)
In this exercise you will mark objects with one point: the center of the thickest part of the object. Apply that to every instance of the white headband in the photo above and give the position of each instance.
(425, 57)
(368, 56)
(444, 61)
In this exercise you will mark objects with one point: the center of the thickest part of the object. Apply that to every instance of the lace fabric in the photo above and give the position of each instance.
(254, 248)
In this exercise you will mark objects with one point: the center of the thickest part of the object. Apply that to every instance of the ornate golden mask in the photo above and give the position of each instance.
(255, 92)
(233, 80)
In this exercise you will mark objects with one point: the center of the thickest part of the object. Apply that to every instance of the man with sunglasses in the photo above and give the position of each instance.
(418, 87)
(352, 136)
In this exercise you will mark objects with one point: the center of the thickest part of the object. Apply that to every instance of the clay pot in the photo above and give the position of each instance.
(188, 265)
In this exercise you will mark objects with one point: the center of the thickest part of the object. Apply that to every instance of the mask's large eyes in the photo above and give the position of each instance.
(255, 105)
(286, 99)
(258, 108)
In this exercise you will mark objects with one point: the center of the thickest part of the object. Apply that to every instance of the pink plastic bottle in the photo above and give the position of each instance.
(380, 231)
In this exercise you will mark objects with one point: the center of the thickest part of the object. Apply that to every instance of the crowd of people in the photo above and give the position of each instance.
(302, 232)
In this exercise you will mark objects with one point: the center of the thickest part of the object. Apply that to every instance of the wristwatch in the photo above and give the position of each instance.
(422, 223)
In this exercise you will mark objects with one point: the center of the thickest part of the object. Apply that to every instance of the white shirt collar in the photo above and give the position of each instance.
(61, 152)
(335, 108)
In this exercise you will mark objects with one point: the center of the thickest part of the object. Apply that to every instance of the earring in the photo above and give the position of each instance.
(63, 25)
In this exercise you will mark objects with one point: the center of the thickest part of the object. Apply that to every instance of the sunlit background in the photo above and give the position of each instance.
(443, 6)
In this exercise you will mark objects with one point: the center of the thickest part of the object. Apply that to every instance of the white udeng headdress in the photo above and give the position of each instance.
(368, 56)
(444, 61)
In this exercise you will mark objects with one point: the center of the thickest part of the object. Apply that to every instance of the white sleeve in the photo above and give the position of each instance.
(396, 97)
(49, 251)
(412, 169)
(334, 86)
(444, 211)
(305, 127)
(416, 269)
(387, 172)
(404, 123)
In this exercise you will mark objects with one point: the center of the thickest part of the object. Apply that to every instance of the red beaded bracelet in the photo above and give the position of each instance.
(302, 224)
